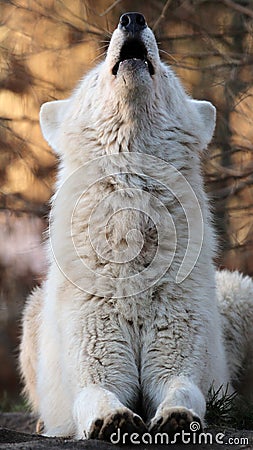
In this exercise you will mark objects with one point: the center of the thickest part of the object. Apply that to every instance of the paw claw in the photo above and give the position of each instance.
(137, 420)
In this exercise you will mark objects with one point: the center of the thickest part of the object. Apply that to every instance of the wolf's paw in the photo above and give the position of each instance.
(121, 422)
(175, 420)
(40, 426)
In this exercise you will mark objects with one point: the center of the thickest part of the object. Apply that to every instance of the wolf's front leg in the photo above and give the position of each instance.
(175, 372)
(98, 414)
(182, 408)
(107, 377)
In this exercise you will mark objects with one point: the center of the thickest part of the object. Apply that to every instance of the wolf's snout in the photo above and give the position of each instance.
(134, 53)
(132, 23)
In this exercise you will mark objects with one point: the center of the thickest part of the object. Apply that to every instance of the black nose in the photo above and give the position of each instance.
(132, 22)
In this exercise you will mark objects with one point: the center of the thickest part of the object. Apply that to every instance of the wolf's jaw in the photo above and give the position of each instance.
(134, 49)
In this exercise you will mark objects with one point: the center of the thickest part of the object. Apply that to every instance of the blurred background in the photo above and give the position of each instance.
(45, 48)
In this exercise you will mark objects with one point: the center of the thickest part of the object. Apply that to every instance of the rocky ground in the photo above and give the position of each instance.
(17, 433)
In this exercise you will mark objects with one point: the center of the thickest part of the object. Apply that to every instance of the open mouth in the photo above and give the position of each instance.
(133, 49)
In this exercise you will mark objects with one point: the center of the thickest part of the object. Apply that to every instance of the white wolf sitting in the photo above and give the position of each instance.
(107, 342)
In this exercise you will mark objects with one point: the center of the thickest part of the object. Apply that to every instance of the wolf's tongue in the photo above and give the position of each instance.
(133, 63)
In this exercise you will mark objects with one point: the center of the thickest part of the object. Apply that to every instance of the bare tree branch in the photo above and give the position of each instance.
(110, 8)
(162, 16)
(239, 8)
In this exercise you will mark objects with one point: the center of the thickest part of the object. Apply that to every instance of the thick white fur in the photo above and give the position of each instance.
(235, 298)
(86, 356)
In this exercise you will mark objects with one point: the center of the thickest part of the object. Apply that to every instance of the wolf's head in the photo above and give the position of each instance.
(133, 60)
(132, 88)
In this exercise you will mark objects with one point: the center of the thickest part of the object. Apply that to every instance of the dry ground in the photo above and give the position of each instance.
(16, 433)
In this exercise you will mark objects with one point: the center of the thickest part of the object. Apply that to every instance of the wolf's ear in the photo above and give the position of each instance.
(51, 115)
(207, 114)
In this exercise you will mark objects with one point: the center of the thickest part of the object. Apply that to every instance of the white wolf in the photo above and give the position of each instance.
(126, 331)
